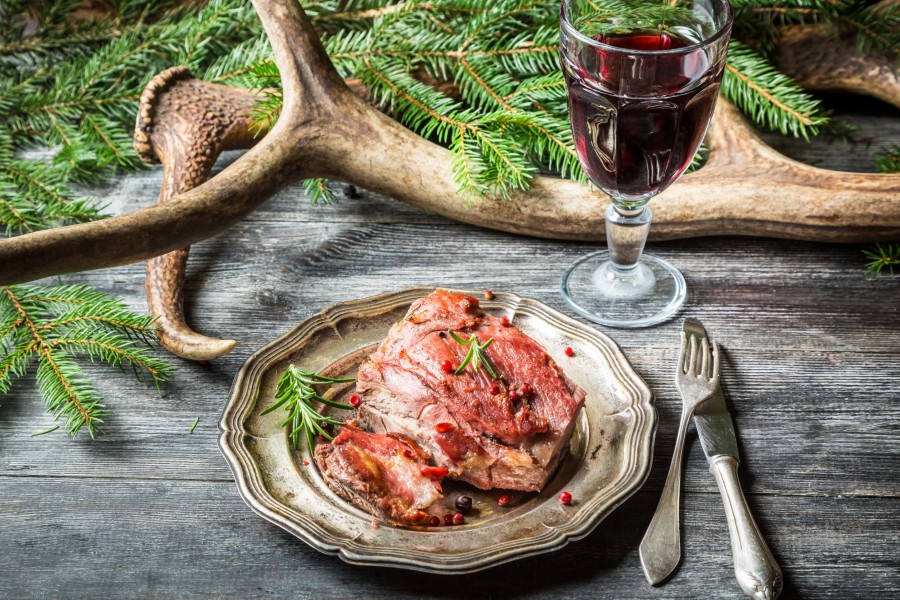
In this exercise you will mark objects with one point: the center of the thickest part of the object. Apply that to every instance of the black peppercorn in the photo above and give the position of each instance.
(464, 504)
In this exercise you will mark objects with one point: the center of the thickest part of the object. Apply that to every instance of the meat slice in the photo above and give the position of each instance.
(381, 474)
(508, 433)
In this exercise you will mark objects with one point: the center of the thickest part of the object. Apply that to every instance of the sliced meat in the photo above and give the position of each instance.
(381, 474)
(509, 433)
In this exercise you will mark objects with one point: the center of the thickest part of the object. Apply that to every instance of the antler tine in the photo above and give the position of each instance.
(185, 124)
(308, 78)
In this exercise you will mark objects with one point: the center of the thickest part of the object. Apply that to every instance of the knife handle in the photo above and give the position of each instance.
(754, 566)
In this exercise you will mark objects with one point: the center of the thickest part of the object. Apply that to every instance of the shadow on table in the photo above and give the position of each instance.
(594, 559)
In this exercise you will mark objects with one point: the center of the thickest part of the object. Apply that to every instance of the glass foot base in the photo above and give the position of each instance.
(648, 295)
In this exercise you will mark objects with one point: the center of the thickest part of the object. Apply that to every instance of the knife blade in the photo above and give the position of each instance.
(715, 427)
(754, 566)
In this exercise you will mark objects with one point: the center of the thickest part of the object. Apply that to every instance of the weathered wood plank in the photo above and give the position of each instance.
(802, 291)
(90, 538)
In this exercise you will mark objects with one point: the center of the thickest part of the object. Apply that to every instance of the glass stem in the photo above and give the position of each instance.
(626, 234)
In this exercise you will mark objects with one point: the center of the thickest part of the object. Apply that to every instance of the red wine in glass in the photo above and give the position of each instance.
(642, 83)
(638, 119)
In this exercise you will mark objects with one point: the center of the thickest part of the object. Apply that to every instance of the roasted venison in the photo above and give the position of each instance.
(508, 433)
(385, 475)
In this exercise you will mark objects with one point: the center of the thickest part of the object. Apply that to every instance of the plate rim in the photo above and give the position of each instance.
(254, 493)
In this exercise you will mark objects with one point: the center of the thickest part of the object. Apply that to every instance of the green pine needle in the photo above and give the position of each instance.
(882, 257)
(888, 160)
(875, 26)
(45, 431)
(54, 326)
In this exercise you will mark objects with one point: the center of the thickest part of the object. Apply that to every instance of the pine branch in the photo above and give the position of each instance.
(888, 160)
(318, 190)
(34, 195)
(54, 326)
(511, 113)
(68, 394)
(769, 97)
(875, 26)
(882, 257)
(75, 86)
(481, 79)
(237, 66)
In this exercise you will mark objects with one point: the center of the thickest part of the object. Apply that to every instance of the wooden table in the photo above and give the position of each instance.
(150, 510)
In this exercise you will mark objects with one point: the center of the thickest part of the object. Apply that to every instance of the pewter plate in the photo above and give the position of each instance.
(609, 456)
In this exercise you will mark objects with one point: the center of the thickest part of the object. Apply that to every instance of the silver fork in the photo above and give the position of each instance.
(697, 378)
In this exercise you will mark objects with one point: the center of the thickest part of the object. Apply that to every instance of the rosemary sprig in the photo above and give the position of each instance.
(475, 355)
(296, 392)
(882, 256)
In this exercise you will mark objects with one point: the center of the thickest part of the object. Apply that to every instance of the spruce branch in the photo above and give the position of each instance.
(875, 26)
(74, 86)
(888, 160)
(882, 257)
(35, 195)
(769, 97)
(318, 190)
(53, 326)
(486, 83)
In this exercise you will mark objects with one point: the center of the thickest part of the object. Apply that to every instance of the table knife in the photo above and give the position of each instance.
(754, 566)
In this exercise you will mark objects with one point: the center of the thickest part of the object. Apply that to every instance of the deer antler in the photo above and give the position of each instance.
(741, 191)
(186, 132)
(804, 51)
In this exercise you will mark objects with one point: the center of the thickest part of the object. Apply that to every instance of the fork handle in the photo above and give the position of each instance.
(660, 550)
(754, 566)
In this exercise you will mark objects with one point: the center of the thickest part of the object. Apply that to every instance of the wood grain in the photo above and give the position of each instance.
(151, 511)
(197, 539)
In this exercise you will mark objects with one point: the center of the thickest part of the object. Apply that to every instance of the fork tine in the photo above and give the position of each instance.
(683, 354)
(692, 368)
(715, 363)
(704, 359)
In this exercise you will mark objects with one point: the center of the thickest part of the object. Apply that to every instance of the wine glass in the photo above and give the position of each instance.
(642, 80)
